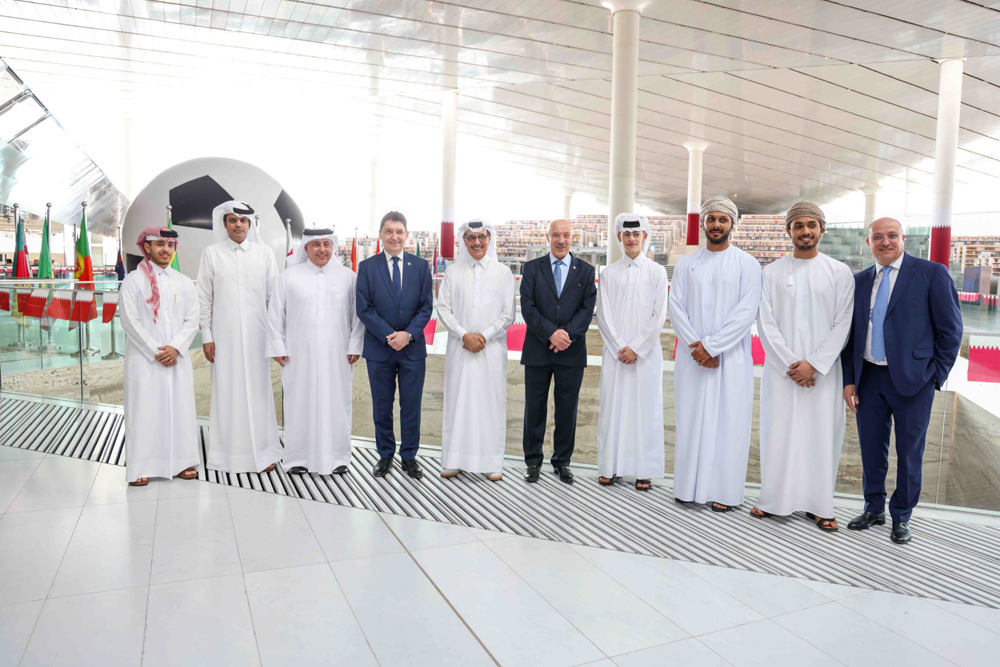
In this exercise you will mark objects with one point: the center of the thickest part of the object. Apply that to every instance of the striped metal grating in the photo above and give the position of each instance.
(948, 560)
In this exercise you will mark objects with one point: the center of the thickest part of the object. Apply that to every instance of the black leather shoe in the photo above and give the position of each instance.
(531, 474)
(382, 467)
(340, 470)
(565, 474)
(901, 532)
(298, 470)
(413, 469)
(865, 520)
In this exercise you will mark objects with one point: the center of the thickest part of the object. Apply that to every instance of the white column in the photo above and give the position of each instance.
(696, 156)
(567, 203)
(871, 202)
(624, 112)
(945, 150)
(449, 137)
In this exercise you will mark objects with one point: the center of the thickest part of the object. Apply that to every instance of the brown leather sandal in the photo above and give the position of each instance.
(830, 526)
(188, 473)
(142, 481)
(759, 513)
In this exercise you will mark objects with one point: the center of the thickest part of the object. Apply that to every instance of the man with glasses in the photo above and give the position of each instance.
(905, 336)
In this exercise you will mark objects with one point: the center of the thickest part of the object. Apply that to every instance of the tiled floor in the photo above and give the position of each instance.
(97, 573)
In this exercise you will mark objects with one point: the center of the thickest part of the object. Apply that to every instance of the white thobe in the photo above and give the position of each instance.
(312, 321)
(235, 282)
(475, 297)
(805, 314)
(631, 309)
(161, 432)
(713, 299)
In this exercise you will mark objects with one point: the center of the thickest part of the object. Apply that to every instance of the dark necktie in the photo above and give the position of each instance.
(397, 280)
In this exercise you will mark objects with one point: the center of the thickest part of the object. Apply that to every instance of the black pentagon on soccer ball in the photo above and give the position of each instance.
(193, 202)
(289, 210)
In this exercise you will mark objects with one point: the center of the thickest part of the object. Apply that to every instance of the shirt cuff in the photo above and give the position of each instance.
(206, 336)
(276, 348)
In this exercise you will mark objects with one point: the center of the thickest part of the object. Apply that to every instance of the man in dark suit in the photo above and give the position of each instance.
(557, 302)
(394, 302)
(905, 336)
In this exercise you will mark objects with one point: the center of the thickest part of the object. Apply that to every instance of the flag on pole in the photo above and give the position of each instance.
(354, 255)
(84, 265)
(435, 260)
(45, 257)
(173, 260)
(418, 247)
(378, 247)
(22, 266)
(120, 265)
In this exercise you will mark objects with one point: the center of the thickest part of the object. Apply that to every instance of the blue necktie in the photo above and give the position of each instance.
(878, 316)
(557, 274)
(397, 280)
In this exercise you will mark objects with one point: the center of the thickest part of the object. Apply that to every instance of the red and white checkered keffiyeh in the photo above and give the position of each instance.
(147, 266)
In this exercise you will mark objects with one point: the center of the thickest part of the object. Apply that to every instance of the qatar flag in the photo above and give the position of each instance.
(4, 300)
(36, 302)
(23, 295)
(84, 307)
(429, 331)
(984, 358)
(110, 306)
(61, 305)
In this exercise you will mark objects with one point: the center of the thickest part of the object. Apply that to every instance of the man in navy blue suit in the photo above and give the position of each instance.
(394, 303)
(906, 334)
(557, 302)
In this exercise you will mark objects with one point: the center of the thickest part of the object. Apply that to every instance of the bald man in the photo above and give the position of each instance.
(904, 339)
(558, 296)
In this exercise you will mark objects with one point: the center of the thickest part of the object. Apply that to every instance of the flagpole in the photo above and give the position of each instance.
(114, 354)
(288, 242)
(49, 347)
(21, 342)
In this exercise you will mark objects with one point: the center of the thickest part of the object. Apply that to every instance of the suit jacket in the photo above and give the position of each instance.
(382, 312)
(923, 326)
(544, 312)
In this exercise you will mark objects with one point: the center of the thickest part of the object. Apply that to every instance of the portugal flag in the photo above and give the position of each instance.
(84, 267)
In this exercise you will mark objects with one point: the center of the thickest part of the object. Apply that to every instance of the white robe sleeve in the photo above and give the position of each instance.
(129, 300)
(276, 318)
(356, 342)
(741, 319)
(206, 293)
(776, 351)
(445, 313)
(498, 327)
(189, 329)
(828, 352)
(678, 309)
(271, 274)
(654, 322)
(605, 321)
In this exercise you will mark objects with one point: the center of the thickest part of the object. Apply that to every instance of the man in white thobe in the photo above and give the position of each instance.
(713, 304)
(476, 305)
(631, 309)
(235, 280)
(159, 313)
(805, 317)
(316, 336)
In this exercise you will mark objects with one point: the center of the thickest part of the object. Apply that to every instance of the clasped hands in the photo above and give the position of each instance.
(397, 340)
(559, 340)
(167, 356)
(702, 357)
(802, 372)
(474, 342)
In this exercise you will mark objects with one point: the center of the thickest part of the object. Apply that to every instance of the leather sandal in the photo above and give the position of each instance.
(188, 473)
(831, 524)
(142, 481)
(607, 481)
(643, 484)
(760, 514)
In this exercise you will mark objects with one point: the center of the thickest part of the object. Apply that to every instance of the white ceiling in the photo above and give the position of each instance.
(795, 98)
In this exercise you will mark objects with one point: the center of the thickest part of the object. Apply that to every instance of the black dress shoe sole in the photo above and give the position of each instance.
(866, 526)
(338, 471)
(380, 473)
(298, 470)
(417, 474)
(905, 540)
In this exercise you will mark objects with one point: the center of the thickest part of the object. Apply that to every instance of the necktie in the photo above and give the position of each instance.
(557, 274)
(878, 316)
(397, 280)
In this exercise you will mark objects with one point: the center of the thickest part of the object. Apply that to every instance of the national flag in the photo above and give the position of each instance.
(45, 257)
(378, 246)
(418, 247)
(23, 295)
(5, 300)
(120, 265)
(435, 260)
(22, 265)
(354, 255)
(110, 306)
(61, 305)
(84, 306)
(84, 265)
(173, 260)
(36, 302)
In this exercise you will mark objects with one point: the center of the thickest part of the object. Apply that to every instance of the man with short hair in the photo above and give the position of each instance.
(236, 277)
(557, 302)
(394, 302)
(476, 305)
(316, 337)
(905, 337)
(159, 313)
(805, 318)
(631, 308)
(713, 304)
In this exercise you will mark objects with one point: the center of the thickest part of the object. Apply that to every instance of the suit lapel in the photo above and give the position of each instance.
(384, 270)
(902, 280)
(862, 301)
(547, 274)
(407, 268)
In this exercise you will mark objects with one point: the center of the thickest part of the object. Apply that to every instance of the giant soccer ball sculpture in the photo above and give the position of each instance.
(193, 189)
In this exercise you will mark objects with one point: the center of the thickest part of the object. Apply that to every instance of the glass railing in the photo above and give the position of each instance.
(961, 463)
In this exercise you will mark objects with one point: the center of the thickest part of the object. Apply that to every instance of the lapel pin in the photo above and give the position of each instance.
(408, 263)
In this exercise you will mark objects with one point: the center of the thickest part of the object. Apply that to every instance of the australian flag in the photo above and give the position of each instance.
(120, 265)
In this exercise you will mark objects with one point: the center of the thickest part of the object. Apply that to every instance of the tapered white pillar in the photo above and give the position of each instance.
(871, 201)
(696, 156)
(624, 112)
(945, 152)
(449, 137)
(567, 203)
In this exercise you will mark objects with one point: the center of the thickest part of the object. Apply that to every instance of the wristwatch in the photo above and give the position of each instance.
(411, 338)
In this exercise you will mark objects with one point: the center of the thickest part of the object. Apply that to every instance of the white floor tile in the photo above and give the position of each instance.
(407, 622)
(187, 488)
(689, 601)
(205, 622)
(421, 534)
(487, 535)
(345, 532)
(111, 487)
(685, 653)
(18, 454)
(301, 618)
(833, 591)
(111, 548)
(14, 474)
(982, 616)
(514, 622)
(948, 635)
(32, 545)
(767, 594)
(765, 644)
(850, 638)
(58, 482)
(16, 623)
(612, 617)
(99, 629)
(272, 532)
(194, 539)
(600, 663)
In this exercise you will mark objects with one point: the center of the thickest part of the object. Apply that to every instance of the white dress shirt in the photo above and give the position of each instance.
(567, 262)
(402, 260)
(893, 274)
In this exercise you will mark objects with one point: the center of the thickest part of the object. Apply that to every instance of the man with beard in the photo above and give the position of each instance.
(805, 317)
(713, 305)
